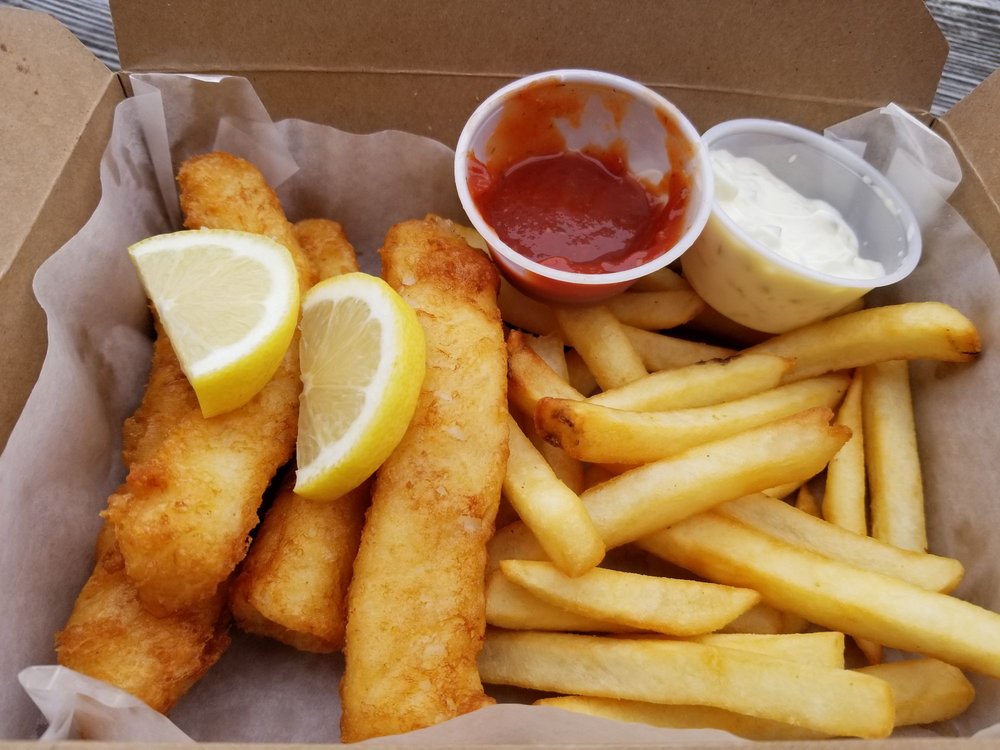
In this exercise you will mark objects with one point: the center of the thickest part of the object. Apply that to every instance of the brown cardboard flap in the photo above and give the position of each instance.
(972, 127)
(54, 122)
(854, 53)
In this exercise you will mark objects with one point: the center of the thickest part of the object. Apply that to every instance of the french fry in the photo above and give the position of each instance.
(782, 490)
(662, 280)
(656, 311)
(833, 594)
(656, 495)
(663, 605)
(530, 378)
(780, 520)
(598, 336)
(512, 607)
(915, 330)
(924, 690)
(552, 351)
(832, 701)
(844, 495)
(580, 377)
(823, 648)
(661, 352)
(552, 511)
(700, 384)
(764, 619)
(521, 311)
(681, 717)
(806, 501)
(598, 434)
(892, 462)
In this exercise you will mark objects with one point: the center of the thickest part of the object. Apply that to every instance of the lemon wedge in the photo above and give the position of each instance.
(363, 355)
(228, 301)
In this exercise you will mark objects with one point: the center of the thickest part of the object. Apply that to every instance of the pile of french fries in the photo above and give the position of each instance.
(692, 530)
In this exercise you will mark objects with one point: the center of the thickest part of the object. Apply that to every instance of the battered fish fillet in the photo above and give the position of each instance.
(111, 637)
(183, 516)
(416, 611)
(293, 584)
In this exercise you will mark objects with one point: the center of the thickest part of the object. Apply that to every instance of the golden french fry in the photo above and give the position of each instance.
(700, 384)
(806, 501)
(872, 651)
(598, 434)
(891, 459)
(656, 495)
(567, 468)
(924, 690)
(661, 352)
(552, 511)
(521, 311)
(720, 328)
(663, 605)
(782, 490)
(764, 619)
(663, 280)
(833, 594)
(512, 607)
(915, 330)
(551, 349)
(844, 495)
(823, 648)
(530, 378)
(833, 701)
(598, 337)
(656, 311)
(580, 377)
(780, 520)
(681, 717)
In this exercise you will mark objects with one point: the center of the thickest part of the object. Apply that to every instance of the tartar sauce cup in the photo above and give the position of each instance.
(627, 126)
(748, 282)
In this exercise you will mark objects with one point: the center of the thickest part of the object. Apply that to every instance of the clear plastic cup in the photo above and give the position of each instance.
(752, 285)
(616, 108)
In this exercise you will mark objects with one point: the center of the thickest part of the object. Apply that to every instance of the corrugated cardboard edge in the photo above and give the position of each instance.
(51, 81)
(972, 127)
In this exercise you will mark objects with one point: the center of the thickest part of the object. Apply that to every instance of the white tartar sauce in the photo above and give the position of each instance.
(804, 230)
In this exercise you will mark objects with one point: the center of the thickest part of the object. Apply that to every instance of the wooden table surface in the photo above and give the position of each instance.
(972, 28)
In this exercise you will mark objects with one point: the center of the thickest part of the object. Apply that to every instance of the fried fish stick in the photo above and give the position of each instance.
(416, 607)
(292, 585)
(110, 636)
(183, 516)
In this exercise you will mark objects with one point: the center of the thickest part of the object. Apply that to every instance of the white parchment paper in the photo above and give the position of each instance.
(63, 460)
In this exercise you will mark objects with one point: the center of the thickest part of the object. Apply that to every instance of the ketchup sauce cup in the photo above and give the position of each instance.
(582, 182)
(752, 284)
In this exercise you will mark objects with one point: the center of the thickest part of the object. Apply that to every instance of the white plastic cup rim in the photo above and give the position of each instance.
(907, 219)
(702, 172)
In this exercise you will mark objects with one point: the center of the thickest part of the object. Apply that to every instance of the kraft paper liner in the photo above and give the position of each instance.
(63, 458)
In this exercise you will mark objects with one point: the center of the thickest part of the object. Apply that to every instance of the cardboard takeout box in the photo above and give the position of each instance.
(421, 68)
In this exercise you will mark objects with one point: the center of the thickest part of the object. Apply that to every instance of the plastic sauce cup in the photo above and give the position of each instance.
(652, 138)
(750, 284)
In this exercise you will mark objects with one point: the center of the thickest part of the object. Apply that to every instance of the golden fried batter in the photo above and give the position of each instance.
(183, 516)
(293, 584)
(416, 611)
(111, 637)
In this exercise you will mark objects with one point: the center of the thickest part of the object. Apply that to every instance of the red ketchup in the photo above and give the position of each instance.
(570, 210)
